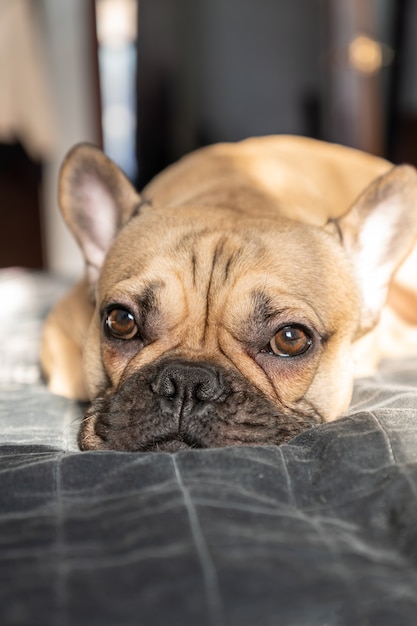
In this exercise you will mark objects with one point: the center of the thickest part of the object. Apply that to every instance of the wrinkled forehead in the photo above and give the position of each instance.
(186, 232)
(266, 260)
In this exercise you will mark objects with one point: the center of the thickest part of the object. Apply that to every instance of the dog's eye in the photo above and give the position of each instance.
(121, 324)
(289, 341)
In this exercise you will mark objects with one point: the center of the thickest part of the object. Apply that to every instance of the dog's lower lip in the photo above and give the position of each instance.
(172, 444)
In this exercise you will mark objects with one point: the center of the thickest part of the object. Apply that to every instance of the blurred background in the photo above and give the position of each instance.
(149, 80)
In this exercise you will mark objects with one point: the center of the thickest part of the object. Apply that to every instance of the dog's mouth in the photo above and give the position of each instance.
(177, 405)
(170, 443)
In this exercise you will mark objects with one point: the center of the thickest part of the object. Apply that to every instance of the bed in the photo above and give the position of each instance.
(321, 531)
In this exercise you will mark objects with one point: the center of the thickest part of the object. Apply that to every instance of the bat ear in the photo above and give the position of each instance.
(96, 200)
(378, 232)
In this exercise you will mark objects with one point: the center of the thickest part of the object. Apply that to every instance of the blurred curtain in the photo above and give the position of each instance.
(26, 106)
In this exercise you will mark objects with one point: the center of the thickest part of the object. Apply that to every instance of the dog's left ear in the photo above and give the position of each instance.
(378, 232)
(96, 200)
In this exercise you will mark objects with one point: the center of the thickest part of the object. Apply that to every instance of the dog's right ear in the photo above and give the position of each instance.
(96, 199)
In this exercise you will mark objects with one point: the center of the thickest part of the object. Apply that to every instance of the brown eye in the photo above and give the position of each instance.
(290, 341)
(121, 324)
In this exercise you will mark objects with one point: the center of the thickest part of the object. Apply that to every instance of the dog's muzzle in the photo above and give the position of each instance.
(176, 404)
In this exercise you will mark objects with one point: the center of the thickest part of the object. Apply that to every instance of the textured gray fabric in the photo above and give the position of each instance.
(318, 532)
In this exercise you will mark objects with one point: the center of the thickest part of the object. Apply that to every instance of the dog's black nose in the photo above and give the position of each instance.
(188, 388)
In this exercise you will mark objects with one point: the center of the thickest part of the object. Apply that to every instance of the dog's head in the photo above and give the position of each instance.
(215, 327)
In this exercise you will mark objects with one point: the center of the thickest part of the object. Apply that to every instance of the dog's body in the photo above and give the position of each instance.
(237, 298)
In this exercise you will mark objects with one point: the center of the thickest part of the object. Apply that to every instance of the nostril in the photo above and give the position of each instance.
(202, 392)
(168, 388)
(207, 390)
(164, 386)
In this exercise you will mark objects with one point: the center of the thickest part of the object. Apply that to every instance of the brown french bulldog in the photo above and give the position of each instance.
(235, 300)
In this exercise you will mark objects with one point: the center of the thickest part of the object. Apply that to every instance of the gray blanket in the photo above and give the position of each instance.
(321, 531)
